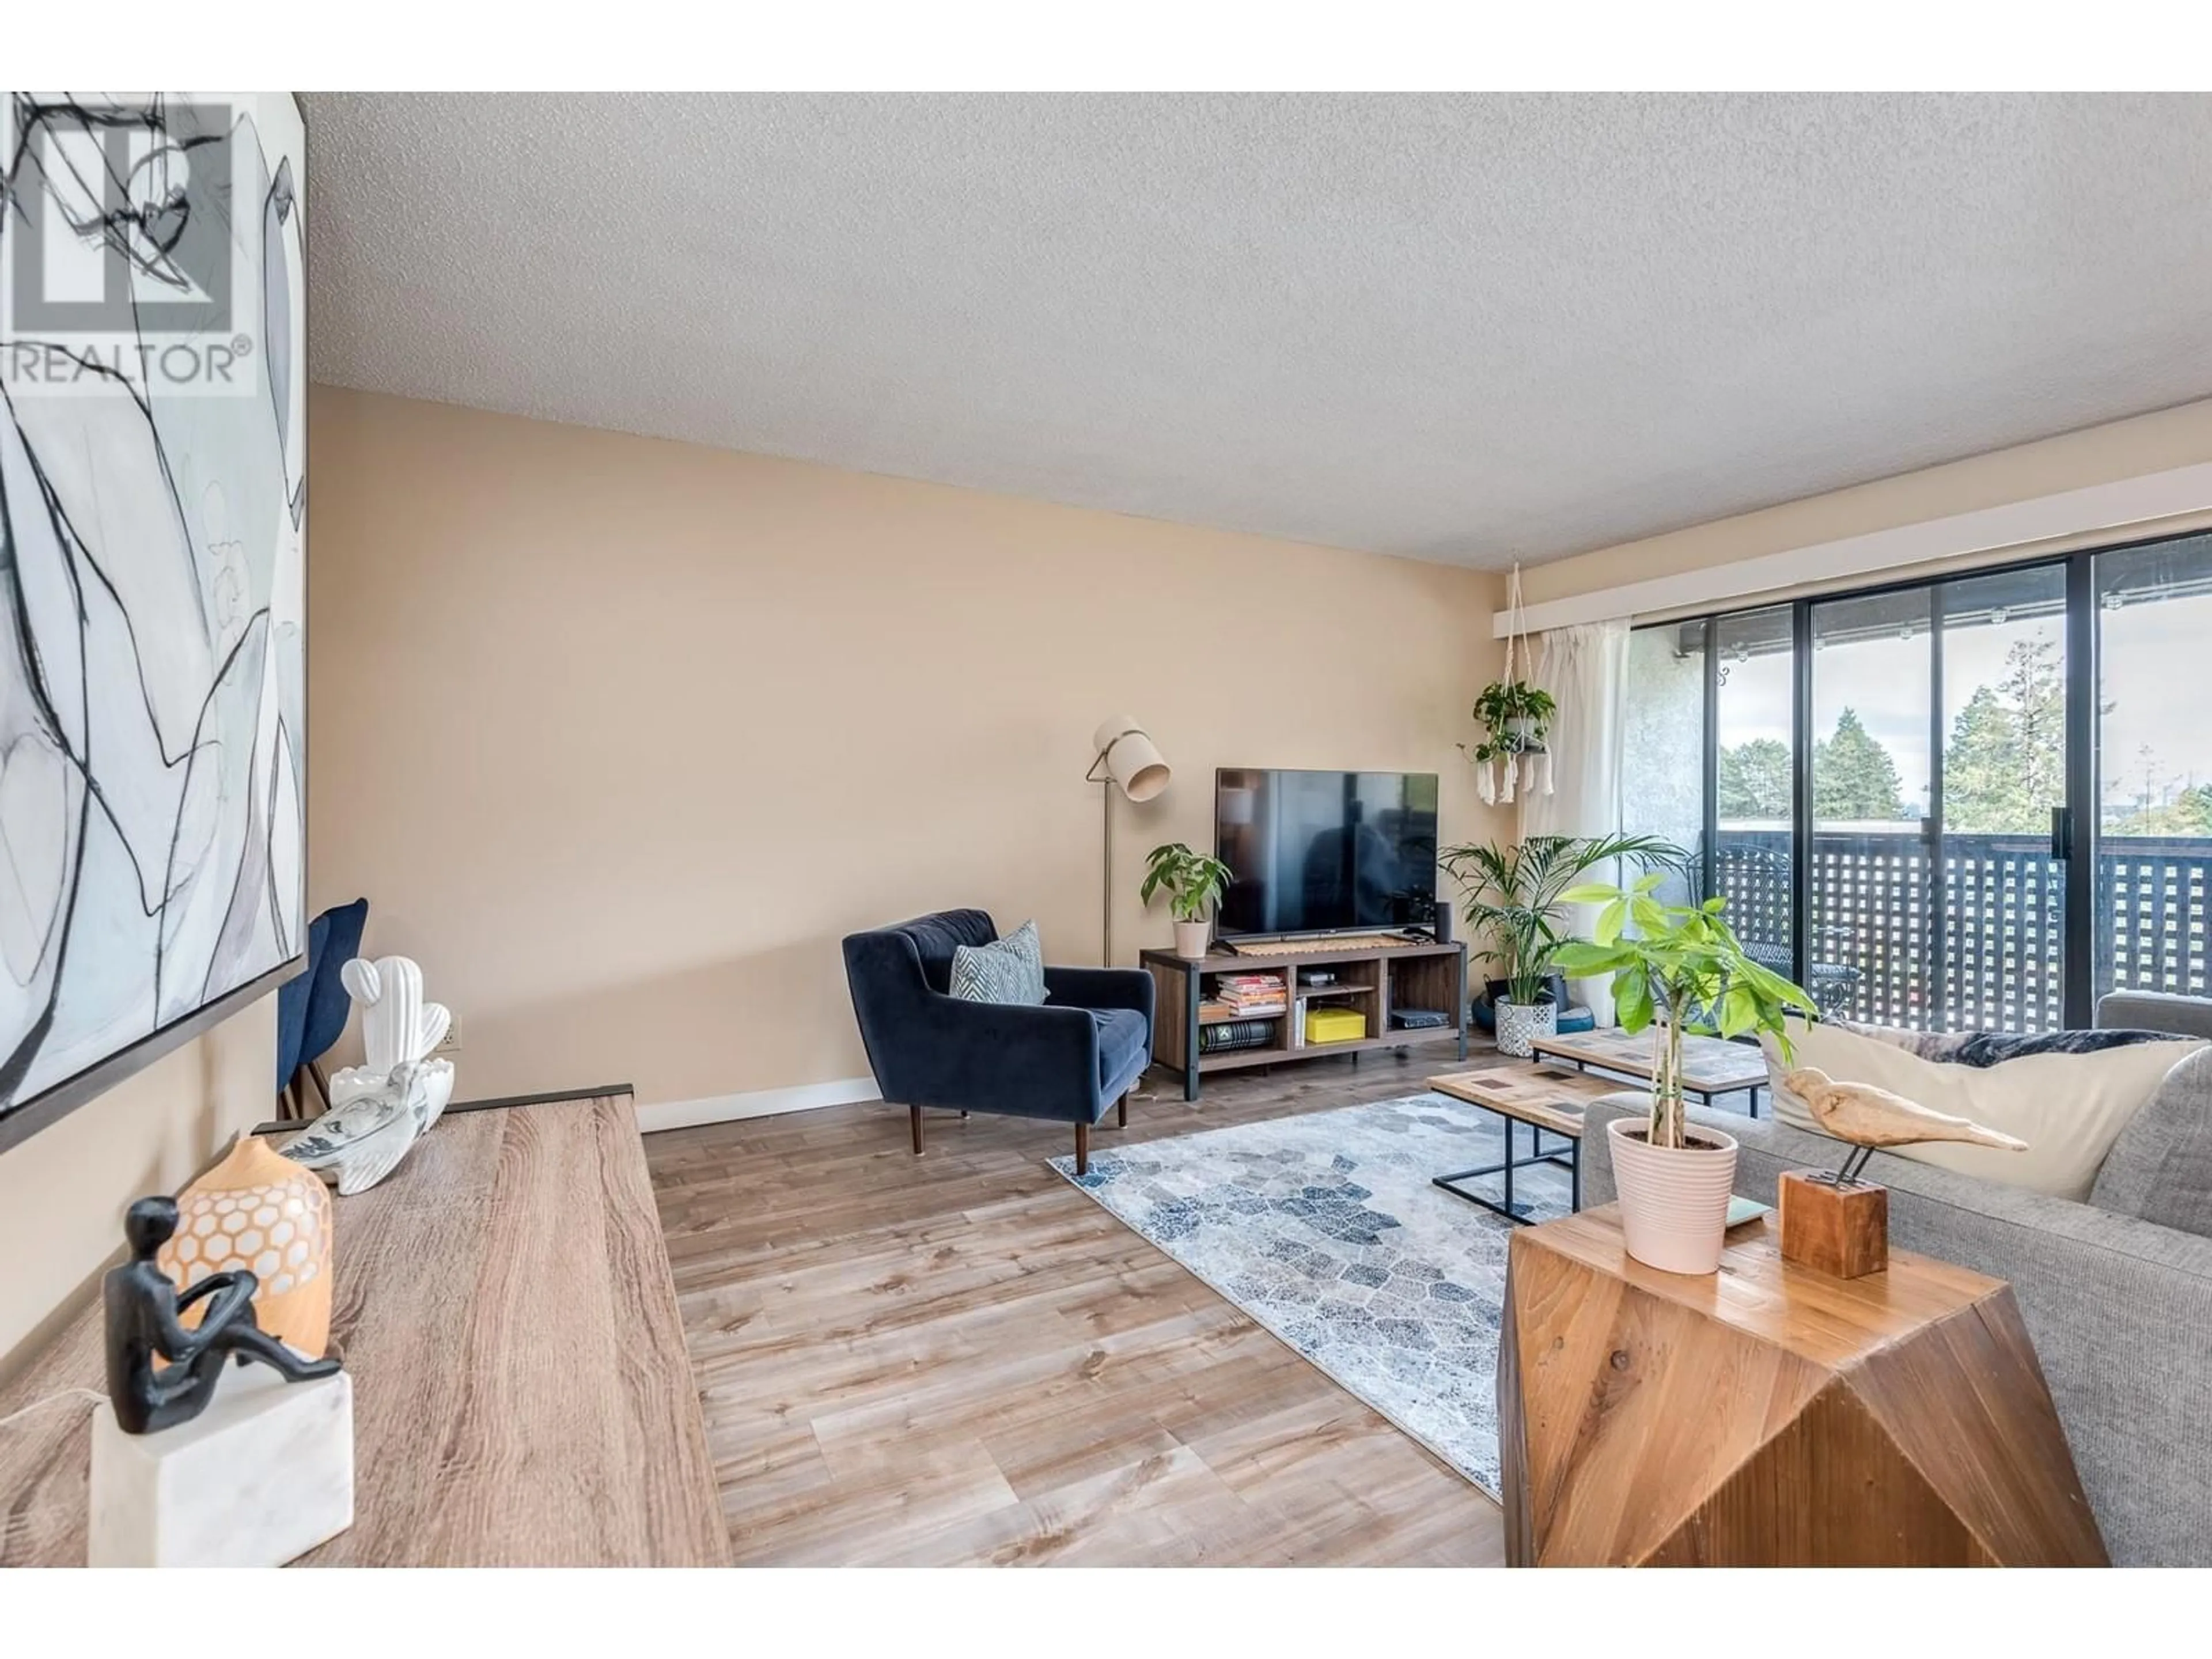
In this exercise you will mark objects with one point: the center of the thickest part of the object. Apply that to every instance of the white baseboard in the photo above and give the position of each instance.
(761, 1102)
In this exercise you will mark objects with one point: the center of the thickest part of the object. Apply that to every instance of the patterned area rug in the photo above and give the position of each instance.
(1327, 1230)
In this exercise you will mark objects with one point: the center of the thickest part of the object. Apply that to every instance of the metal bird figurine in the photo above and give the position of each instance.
(1869, 1117)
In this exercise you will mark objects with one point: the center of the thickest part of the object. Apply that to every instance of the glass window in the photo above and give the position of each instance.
(1873, 688)
(1945, 829)
(2154, 766)
(2000, 928)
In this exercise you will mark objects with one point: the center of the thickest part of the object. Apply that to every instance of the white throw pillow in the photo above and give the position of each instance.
(2069, 1109)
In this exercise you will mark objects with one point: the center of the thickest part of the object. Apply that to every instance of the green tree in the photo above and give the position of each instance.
(2004, 765)
(1853, 775)
(1755, 780)
(2158, 810)
(1985, 789)
(2035, 685)
(2195, 807)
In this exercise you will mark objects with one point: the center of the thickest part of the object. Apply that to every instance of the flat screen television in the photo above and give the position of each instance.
(1325, 852)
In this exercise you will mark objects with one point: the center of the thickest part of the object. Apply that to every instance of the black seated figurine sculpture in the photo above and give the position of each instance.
(143, 1328)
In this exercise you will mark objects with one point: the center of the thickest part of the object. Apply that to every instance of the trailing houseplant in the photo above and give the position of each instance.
(1515, 898)
(1516, 716)
(1679, 969)
(1192, 881)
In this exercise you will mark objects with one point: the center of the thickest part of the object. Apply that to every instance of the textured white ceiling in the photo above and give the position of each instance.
(1462, 328)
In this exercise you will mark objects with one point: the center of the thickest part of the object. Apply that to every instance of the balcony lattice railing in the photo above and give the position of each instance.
(1977, 945)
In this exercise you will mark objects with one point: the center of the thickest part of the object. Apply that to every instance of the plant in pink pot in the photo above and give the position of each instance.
(1676, 968)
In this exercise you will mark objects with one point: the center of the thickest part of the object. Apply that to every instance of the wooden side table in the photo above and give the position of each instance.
(1767, 1415)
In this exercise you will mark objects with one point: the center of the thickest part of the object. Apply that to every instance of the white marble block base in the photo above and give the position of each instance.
(265, 1473)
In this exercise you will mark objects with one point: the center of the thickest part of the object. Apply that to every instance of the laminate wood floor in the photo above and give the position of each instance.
(958, 1358)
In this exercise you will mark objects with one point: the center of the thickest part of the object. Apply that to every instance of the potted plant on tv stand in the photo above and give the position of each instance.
(1192, 881)
(1515, 902)
(1682, 970)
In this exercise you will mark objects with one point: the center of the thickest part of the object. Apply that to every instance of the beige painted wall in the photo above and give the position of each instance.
(62, 1191)
(2102, 454)
(620, 736)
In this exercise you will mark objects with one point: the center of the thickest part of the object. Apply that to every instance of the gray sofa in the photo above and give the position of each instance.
(2155, 1011)
(2120, 1307)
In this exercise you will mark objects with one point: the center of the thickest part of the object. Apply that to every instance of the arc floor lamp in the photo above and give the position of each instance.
(1125, 759)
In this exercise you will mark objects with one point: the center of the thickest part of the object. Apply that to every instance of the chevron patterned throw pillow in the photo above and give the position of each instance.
(1011, 969)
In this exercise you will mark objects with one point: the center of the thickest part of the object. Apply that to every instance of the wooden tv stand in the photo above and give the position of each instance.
(1375, 974)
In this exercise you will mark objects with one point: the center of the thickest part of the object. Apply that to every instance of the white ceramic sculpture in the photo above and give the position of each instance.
(396, 1025)
(379, 1110)
(434, 1078)
(372, 1124)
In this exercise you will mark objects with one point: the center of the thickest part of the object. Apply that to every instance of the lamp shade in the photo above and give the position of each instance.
(1131, 759)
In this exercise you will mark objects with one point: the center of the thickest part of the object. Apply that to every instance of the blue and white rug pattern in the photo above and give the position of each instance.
(1326, 1228)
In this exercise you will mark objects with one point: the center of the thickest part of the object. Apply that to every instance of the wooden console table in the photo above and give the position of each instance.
(1373, 976)
(522, 1397)
(1768, 1415)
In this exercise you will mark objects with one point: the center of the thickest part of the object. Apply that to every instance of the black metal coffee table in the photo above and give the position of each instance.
(1549, 1099)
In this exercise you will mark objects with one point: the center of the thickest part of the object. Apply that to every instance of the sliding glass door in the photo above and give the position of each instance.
(2154, 766)
(1890, 782)
(1874, 841)
(1999, 927)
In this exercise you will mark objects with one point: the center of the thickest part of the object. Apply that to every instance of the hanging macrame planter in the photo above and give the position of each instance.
(1516, 720)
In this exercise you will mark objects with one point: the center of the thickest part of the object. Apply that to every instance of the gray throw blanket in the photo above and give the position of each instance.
(1986, 1049)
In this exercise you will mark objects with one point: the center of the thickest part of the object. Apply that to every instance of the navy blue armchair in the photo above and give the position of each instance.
(1066, 1061)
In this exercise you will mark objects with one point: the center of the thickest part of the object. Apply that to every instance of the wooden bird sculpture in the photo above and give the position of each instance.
(1869, 1117)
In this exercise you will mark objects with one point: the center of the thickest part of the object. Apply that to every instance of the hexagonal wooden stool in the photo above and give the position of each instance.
(1770, 1415)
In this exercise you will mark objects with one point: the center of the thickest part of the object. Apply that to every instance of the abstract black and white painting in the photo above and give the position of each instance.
(153, 542)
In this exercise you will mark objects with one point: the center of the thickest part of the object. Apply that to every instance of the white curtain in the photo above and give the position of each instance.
(1585, 669)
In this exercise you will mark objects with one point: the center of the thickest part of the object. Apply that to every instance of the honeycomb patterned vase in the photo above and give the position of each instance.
(259, 1211)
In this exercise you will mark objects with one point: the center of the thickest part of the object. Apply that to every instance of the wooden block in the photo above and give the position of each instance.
(1843, 1232)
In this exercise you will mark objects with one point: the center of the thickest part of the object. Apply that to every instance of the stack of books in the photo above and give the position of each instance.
(1249, 995)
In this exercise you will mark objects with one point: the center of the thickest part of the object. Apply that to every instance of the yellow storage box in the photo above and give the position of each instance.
(1334, 1025)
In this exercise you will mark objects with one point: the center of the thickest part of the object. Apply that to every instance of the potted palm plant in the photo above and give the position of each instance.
(1515, 902)
(1682, 969)
(1192, 881)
